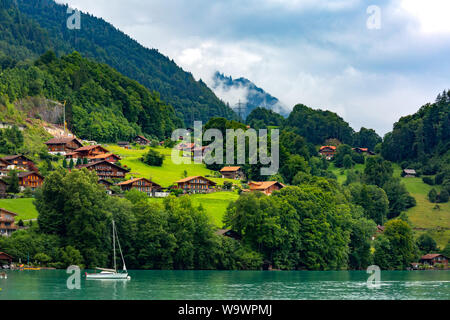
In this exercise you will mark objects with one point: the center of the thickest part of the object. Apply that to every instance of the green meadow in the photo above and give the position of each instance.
(168, 173)
(215, 204)
(24, 207)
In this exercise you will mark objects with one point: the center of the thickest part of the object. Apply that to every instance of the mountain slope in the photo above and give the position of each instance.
(253, 96)
(101, 41)
(102, 104)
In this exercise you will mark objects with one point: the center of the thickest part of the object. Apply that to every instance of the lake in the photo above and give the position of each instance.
(227, 285)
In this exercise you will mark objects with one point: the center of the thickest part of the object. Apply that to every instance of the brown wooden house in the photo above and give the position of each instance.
(432, 259)
(110, 157)
(232, 173)
(142, 140)
(7, 226)
(266, 187)
(19, 162)
(4, 164)
(4, 257)
(90, 151)
(105, 169)
(142, 185)
(327, 151)
(3, 188)
(30, 180)
(196, 184)
(63, 145)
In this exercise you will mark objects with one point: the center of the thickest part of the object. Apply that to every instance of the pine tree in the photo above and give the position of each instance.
(64, 163)
(71, 164)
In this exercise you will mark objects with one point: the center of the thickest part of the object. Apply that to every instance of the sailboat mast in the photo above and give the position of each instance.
(114, 246)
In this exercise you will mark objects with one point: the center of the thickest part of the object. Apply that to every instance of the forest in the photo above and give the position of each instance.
(30, 28)
(102, 104)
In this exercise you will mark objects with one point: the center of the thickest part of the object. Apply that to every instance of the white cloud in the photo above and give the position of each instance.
(433, 15)
(316, 52)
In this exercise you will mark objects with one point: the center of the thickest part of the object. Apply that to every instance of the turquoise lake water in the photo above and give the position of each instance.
(227, 285)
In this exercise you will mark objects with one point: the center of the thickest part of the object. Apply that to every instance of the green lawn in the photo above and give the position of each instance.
(215, 204)
(23, 207)
(165, 175)
(342, 177)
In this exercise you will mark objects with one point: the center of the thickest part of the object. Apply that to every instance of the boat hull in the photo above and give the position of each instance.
(107, 276)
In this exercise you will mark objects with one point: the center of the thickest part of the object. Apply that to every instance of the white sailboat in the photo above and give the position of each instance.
(111, 274)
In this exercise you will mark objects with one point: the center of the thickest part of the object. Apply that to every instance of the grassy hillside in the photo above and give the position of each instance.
(23, 207)
(165, 175)
(425, 217)
(215, 204)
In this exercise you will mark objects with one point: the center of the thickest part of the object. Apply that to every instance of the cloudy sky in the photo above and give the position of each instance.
(317, 52)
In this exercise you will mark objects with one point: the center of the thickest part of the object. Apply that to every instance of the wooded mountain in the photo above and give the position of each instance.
(32, 27)
(254, 96)
(102, 104)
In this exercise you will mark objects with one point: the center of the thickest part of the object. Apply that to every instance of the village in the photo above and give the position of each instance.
(78, 154)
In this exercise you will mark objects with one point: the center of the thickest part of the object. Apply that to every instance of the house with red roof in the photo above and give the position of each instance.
(327, 151)
(63, 145)
(232, 173)
(141, 184)
(431, 259)
(266, 187)
(196, 184)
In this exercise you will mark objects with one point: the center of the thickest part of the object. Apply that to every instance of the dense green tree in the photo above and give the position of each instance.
(395, 249)
(432, 195)
(426, 244)
(153, 158)
(366, 138)
(377, 171)
(13, 182)
(373, 199)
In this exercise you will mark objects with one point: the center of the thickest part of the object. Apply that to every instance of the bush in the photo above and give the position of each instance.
(432, 195)
(153, 158)
(443, 196)
(439, 178)
(428, 180)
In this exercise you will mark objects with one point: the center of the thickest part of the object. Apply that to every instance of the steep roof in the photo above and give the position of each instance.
(263, 185)
(10, 212)
(142, 137)
(194, 177)
(87, 148)
(104, 155)
(26, 174)
(98, 162)
(430, 256)
(230, 169)
(124, 183)
(63, 140)
(329, 147)
(13, 157)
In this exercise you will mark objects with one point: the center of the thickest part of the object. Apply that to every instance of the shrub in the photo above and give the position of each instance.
(428, 180)
(432, 195)
(443, 196)
(153, 158)
(439, 178)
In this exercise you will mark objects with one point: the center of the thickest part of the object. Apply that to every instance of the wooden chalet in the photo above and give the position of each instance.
(327, 151)
(90, 151)
(19, 162)
(142, 185)
(142, 140)
(7, 226)
(63, 145)
(266, 187)
(30, 180)
(3, 188)
(232, 173)
(196, 184)
(432, 259)
(4, 164)
(105, 169)
(110, 157)
(186, 146)
(123, 144)
(229, 233)
(409, 173)
(6, 257)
